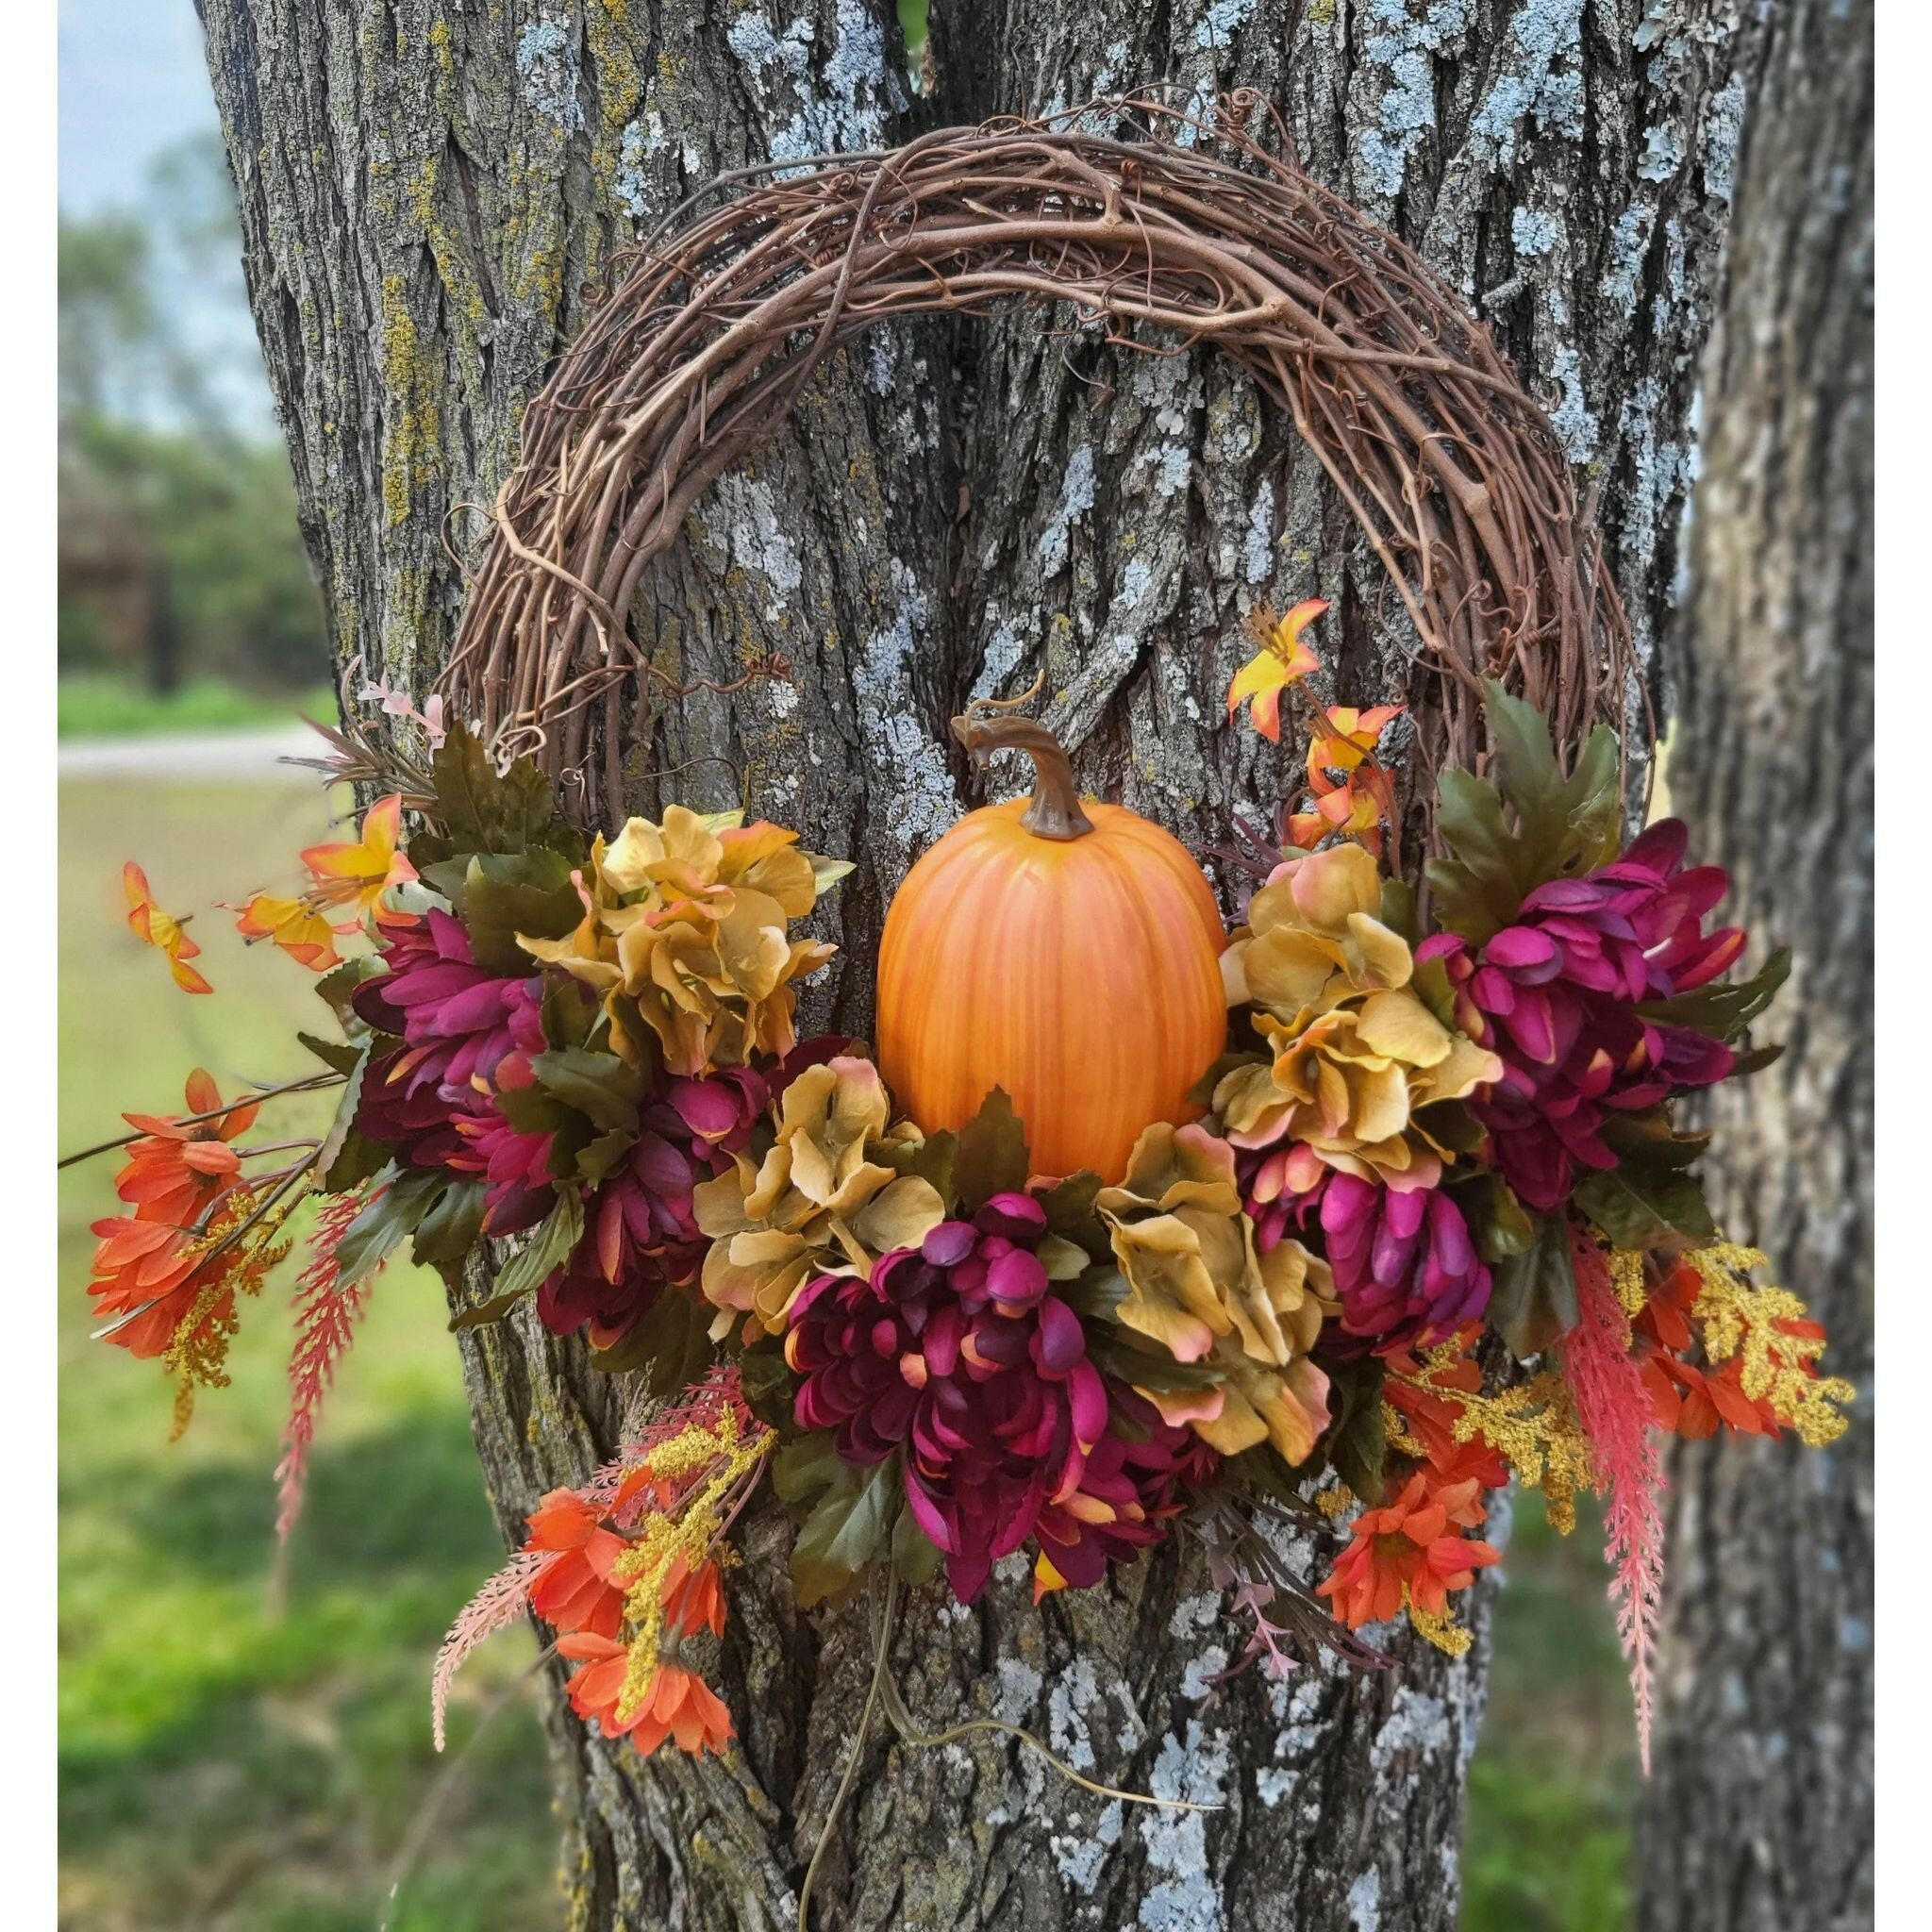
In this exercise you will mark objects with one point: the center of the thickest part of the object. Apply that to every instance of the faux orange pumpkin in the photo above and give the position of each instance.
(1067, 953)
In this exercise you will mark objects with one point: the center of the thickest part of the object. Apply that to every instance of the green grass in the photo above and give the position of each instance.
(245, 1750)
(1546, 1844)
(106, 705)
(242, 1748)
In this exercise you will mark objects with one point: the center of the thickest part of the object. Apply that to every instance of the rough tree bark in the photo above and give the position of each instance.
(426, 185)
(1760, 1812)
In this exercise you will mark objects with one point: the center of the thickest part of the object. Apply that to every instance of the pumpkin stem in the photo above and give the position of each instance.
(1055, 812)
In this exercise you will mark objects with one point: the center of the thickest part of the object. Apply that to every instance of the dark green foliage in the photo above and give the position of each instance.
(1534, 1297)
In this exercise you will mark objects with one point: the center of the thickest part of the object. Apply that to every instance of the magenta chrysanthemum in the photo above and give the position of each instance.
(959, 1352)
(1556, 995)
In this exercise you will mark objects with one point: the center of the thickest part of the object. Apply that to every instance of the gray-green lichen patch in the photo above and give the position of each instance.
(547, 64)
(1542, 77)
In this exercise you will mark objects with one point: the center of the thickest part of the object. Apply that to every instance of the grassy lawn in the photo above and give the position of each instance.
(109, 704)
(242, 1748)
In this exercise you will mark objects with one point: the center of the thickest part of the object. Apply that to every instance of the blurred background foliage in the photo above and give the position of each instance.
(245, 1733)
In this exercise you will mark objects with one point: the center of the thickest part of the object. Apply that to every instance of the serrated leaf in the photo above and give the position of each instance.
(1533, 1298)
(334, 988)
(1564, 826)
(482, 811)
(598, 1159)
(1475, 889)
(1430, 980)
(802, 1467)
(599, 1086)
(570, 1012)
(766, 1380)
(1398, 910)
(1357, 1444)
(528, 892)
(992, 1157)
(344, 1055)
(1724, 1011)
(348, 1156)
(846, 1529)
(1638, 1206)
(548, 1248)
(450, 1225)
(669, 1344)
(1498, 1221)
(390, 1214)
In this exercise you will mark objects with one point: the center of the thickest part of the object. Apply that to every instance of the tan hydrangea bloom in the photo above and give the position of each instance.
(1198, 1288)
(817, 1204)
(686, 936)
(1356, 1054)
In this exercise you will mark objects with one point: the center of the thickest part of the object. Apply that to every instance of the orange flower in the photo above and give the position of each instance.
(1692, 1401)
(693, 1599)
(1348, 736)
(294, 925)
(356, 875)
(678, 1705)
(1409, 1551)
(176, 1170)
(1283, 660)
(575, 1591)
(161, 930)
(143, 1268)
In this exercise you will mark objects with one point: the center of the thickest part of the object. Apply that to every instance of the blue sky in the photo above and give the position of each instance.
(132, 82)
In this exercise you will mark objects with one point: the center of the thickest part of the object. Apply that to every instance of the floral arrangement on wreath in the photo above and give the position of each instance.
(1134, 1227)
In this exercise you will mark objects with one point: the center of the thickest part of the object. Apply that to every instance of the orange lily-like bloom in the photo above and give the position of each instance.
(575, 1591)
(161, 930)
(1348, 735)
(693, 1599)
(294, 925)
(355, 874)
(678, 1705)
(1411, 1550)
(143, 1270)
(176, 1169)
(1284, 659)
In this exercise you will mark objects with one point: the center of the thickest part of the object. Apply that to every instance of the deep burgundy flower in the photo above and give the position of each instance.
(458, 1025)
(1556, 996)
(640, 1232)
(1131, 1489)
(959, 1351)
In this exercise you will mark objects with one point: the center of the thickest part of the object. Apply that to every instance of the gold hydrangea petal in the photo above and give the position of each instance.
(1238, 1425)
(1331, 885)
(900, 1215)
(1291, 971)
(1172, 1297)
(1378, 956)
(1172, 1167)
(1398, 1024)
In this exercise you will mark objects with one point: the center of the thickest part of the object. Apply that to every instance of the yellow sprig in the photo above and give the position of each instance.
(723, 1456)
(1439, 1627)
(1733, 1317)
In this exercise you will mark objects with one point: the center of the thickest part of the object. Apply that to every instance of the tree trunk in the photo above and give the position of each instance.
(1760, 1815)
(425, 189)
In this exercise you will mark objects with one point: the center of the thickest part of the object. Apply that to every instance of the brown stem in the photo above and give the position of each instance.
(1055, 812)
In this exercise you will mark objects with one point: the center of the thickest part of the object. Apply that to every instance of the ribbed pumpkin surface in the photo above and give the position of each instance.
(1083, 977)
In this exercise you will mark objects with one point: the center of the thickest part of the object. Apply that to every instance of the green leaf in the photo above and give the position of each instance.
(483, 812)
(1725, 1011)
(1564, 826)
(1430, 980)
(599, 1086)
(450, 1225)
(932, 1159)
(484, 1314)
(1398, 911)
(1476, 888)
(548, 1249)
(1496, 1218)
(1534, 1297)
(992, 1157)
(915, 1555)
(335, 985)
(570, 1012)
(845, 1530)
(1357, 1441)
(598, 1159)
(376, 1233)
(529, 892)
(1755, 1061)
(1096, 1294)
(766, 1380)
(348, 1156)
(802, 1467)
(1638, 1206)
(669, 1345)
(344, 1055)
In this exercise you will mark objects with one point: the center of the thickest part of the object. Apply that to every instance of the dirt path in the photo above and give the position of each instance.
(248, 756)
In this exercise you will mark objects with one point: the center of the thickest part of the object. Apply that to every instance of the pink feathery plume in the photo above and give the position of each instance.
(326, 1311)
(494, 1608)
(1613, 1406)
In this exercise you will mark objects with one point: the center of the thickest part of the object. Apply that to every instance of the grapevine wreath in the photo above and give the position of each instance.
(1381, 1204)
